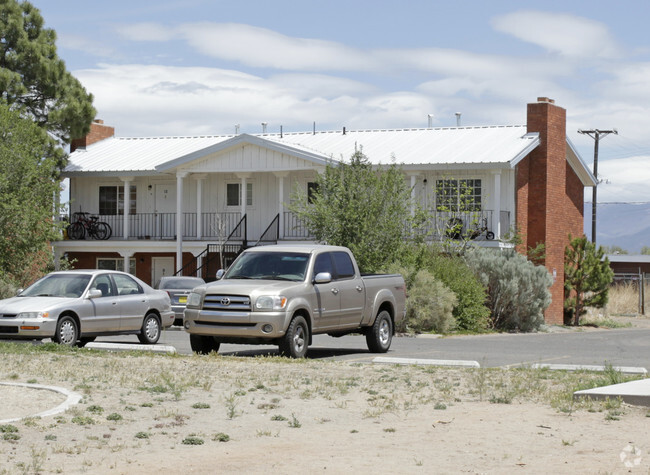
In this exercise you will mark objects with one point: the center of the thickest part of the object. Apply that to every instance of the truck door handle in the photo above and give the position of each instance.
(335, 290)
(359, 288)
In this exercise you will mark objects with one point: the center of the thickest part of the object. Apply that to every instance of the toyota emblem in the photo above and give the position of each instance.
(225, 301)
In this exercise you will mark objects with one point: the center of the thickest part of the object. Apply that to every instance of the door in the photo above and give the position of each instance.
(327, 295)
(133, 302)
(351, 290)
(161, 267)
(165, 211)
(106, 309)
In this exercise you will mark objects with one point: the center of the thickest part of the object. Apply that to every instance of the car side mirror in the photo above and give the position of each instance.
(94, 293)
(19, 291)
(323, 278)
(220, 274)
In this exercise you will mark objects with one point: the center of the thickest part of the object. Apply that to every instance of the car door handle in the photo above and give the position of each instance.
(359, 288)
(335, 291)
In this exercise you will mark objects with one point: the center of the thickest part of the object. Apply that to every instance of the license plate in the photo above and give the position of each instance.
(182, 299)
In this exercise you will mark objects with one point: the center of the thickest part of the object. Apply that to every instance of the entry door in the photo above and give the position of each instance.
(161, 267)
(165, 211)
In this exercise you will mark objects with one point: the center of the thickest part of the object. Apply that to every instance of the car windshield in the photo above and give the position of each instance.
(269, 266)
(180, 283)
(58, 285)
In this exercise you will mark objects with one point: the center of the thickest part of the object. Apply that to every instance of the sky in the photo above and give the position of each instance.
(211, 67)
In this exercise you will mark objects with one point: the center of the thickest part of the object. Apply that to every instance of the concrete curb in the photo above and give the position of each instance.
(633, 392)
(576, 367)
(72, 399)
(418, 361)
(168, 349)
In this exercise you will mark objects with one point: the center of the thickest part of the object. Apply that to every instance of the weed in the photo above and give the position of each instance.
(141, 435)
(278, 417)
(440, 406)
(390, 429)
(231, 405)
(221, 437)
(294, 423)
(114, 417)
(201, 405)
(95, 409)
(193, 440)
(83, 420)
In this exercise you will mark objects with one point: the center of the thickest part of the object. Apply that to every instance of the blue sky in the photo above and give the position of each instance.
(196, 67)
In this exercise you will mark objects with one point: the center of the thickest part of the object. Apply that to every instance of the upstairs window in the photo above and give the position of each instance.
(233, 194)
(111, 200)
(458, 195)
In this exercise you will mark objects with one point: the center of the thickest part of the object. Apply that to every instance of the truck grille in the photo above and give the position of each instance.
(227, 303)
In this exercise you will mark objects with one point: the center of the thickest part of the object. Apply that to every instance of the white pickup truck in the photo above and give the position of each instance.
(284, 294)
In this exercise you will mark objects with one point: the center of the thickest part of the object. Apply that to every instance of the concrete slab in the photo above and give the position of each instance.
(167, 349)
(577, 367)
(633, 392)
(421, 361)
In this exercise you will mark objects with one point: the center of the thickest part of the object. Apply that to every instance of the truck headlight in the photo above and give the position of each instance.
(33, 315)
(194, 299)
(270, 302)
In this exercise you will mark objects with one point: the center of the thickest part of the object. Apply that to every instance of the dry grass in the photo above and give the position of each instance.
(623, 301)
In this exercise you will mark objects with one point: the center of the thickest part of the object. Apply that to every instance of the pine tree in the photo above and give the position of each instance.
(587, 277)
(34, 80)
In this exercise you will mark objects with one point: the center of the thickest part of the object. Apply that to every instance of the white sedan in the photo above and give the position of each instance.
(73, 307)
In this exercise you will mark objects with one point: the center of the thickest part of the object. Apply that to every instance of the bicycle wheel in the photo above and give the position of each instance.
(76, 231)
(102, 230)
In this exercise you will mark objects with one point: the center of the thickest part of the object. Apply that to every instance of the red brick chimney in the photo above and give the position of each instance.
(549, 197)
(98, 132)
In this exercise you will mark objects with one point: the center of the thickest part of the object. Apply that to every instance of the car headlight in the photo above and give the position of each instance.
(33, 315)
(194, 299)
(270, 302)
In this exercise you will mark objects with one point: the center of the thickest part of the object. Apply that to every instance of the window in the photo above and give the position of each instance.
(312, 189)
(107, 263)
(458, 195)
(233, 194)
(126, 285)
(111, 200)
(343, 264)
(323, 264)
(103, 282)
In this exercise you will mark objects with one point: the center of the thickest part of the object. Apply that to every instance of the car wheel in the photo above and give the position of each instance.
(380, 335)
(84, 340)
(150, 332)
(67, 331)
(203, 345)
(295, 342)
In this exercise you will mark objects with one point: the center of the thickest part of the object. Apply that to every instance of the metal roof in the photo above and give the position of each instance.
(433, 148)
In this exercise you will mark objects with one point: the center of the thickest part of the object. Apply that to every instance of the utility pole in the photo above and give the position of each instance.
(595, 134)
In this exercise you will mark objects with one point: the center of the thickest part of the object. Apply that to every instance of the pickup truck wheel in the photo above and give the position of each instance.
(203, 344)
(380, 335)
(295, 342)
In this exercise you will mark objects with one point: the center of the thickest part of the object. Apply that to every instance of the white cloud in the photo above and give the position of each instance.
(568, 35)
(146, 32)
(626, 180)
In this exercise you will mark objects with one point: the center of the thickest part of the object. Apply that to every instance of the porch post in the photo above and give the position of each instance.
(497, 204)
(199, 204)
(281, 176)
(179, 219)
(126, 256)
(414, 177)
(127, 203)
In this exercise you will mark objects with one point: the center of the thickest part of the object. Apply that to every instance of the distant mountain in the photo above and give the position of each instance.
(626, 225)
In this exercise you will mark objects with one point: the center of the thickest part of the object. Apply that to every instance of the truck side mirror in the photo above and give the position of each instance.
(220, 274)
(323, 278)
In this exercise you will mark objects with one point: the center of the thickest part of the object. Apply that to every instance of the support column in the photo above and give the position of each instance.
(126, 256)
(414, 177)
(199, 204)
(281, 176)
(179, 219)
(497, 204)
(127, 203)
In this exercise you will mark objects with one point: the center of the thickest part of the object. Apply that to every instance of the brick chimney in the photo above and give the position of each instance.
(549, 197)
(98, 132)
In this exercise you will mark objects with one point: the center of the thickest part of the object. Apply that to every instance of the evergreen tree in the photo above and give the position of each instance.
(587, 277)
(34, 80)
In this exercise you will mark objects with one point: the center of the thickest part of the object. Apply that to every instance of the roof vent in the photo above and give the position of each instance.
(430, 117)
(264, 124)
(458, 119)
(546, 99)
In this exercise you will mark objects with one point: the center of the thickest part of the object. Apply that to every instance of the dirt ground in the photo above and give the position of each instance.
(143, 413)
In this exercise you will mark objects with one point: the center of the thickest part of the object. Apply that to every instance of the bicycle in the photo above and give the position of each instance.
(84, 224)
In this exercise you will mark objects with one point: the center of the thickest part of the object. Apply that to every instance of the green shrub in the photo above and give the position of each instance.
(470, 312)
(7, 289)
(430, 305)
(518, 290)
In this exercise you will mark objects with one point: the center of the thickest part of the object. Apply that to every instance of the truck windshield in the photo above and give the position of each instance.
(290, 266)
